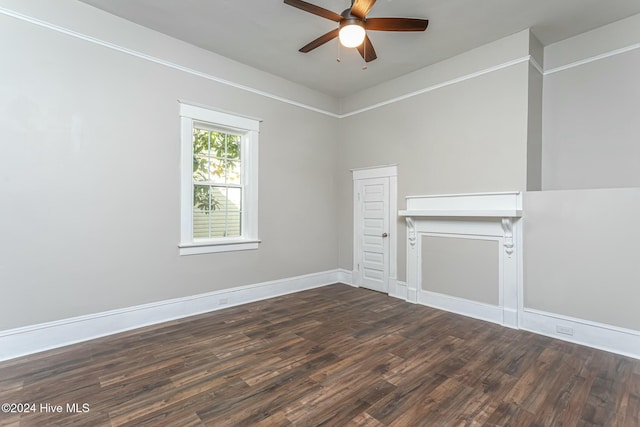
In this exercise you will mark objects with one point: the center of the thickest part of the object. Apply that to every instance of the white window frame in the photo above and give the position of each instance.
(249, 129)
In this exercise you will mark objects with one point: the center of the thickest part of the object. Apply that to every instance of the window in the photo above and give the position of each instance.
(219, 198)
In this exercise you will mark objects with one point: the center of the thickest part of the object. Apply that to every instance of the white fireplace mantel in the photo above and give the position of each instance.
(481, 216)
(502, 205)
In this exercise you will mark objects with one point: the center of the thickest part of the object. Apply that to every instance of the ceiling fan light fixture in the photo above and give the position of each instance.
(352, 33)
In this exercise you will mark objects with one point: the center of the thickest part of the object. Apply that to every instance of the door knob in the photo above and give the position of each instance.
(385, 235)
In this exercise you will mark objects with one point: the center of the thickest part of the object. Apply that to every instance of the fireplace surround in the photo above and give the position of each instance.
(489, 217)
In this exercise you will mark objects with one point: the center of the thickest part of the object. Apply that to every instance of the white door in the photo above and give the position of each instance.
(372, 233)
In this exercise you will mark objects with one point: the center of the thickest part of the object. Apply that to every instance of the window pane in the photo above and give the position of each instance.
(217, 211)
(201, 198)
(200, 168)
(209, 225)
(208, 169)
(218, 199)
(234, 198)
(233, 147)
(217, 170)
(233, 171)
(218, 224)
(201, 225)
(200, 141)
(233, 224)
(218, 145)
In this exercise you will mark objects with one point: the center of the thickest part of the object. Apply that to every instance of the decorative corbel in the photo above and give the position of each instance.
(411, 229)
(507, 227)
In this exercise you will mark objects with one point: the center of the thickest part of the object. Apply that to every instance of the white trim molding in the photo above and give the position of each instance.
(592, 59)
(160, 61)
(440, 85)
(584, 332)
(384, 171)
(535, 65)
(465, 307)
(477, 216)
(398, 290)
(345, 276)
(46, 336)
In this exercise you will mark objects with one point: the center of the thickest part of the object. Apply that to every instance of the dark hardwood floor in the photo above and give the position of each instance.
(335, 356)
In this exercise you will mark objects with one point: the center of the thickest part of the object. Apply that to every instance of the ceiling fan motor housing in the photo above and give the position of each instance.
(352, 21)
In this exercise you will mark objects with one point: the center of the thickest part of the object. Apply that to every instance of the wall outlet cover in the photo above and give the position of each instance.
(566, 330)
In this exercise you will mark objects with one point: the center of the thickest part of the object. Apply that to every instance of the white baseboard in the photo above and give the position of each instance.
(45, 336)
(593, 334)
(412, 295)
(398, 290)
(605, 337)
(346, 277)
(506, 317)
(510, 318)
(477, 310)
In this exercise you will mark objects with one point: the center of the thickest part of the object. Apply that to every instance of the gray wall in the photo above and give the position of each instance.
(534, 119)
(470, 136)
(89, 178)
(591, 111)
(442, 258)
(581, 252)
(534, 131)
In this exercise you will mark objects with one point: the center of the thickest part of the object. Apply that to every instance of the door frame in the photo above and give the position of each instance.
(390, 172)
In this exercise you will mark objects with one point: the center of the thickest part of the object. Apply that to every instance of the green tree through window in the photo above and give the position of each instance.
(217, 185)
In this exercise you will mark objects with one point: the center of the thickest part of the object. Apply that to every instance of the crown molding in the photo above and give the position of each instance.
(528, 58)
(592, 59)
(159, 61)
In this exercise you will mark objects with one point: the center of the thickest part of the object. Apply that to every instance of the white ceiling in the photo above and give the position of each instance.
(267, 34)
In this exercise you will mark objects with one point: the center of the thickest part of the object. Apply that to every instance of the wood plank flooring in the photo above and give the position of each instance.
(335, 356)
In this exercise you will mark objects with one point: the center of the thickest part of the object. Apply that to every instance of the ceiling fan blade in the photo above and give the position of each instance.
(320, 41)
(367, 51)
(360, 8)
(396, 24)
(316, 10)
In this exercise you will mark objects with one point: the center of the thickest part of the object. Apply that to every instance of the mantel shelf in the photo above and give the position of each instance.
(501, 213)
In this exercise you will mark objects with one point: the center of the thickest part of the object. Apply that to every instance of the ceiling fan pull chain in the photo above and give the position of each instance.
(338, 58)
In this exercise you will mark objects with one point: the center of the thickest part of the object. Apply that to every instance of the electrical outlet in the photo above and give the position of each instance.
(566, 330)
(224, 301)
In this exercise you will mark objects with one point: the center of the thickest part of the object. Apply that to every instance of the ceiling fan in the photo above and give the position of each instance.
(353, 22)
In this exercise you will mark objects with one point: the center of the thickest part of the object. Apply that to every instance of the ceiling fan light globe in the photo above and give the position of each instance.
(351, 35)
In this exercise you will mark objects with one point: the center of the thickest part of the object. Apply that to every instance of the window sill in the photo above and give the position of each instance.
(223, 246)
